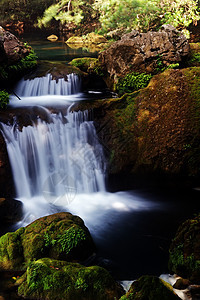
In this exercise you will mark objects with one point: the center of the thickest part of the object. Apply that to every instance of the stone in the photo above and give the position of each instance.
(52, 38)
(150, 288)
(181, 284)
(58, 280)
(58, 236)
(141, 52)
(184, 253)
(11, 49)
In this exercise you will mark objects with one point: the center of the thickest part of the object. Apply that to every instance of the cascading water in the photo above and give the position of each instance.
(58, 165)
(45, 85)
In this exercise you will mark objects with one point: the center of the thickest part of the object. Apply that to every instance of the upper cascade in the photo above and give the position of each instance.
(46, 85)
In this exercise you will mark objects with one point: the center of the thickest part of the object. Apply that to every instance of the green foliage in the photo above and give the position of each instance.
(132, 82)
(73, 12)
(4, 99)
(144, 15)
(23, 10)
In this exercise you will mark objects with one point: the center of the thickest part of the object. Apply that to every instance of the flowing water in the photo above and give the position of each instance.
(58, 164)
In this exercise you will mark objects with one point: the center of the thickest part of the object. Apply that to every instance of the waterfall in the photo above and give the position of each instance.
(48, 159)
(45, 85)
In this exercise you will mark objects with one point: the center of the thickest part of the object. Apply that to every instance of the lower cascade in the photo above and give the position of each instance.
(55, 158)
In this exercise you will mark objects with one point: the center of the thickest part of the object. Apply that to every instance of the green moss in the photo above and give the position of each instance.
(132, 82)
(151, 288)
(53, 279)
(4, 99)
(89, 65)
(11, 251)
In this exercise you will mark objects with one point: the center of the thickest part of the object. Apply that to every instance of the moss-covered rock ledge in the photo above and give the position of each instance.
(150, 288)
(59, 236)
(155, 130)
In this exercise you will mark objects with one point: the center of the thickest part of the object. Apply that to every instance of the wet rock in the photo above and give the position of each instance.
(142, 52)
(181, 284)
(59, 236)
(150, 288)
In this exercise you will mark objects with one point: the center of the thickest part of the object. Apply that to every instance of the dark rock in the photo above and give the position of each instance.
(11, 210)
(11, 49)
(58, 236)
(150, 288)
(181, 284)
(140, 52)
(184, 258)
(58, 280)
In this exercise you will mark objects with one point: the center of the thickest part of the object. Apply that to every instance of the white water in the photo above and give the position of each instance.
(45, 85)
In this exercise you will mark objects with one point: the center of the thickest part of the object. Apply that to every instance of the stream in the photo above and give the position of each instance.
(58, 165)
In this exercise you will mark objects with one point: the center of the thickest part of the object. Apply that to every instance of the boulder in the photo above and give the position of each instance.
(150, 288)
(59, 236)
(53, 279)
(52, 37)
(155, 130)
(184, 258)
(11, 49)
(145, 52)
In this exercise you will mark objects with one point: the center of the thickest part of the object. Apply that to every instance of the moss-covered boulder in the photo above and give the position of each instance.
(184, 258)
(89, 65)
(90, 38)
(155, 130)
(53, 279)
(150, 288)
(59, 236)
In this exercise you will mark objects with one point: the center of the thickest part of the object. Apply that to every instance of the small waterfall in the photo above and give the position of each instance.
(51, 159)
(45, 85)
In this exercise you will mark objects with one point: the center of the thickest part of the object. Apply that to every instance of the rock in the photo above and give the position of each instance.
(74, 40)
(90, 38)
(11, 210)
(53, 279)
(11, 50)
(150, 288)
(52, 38)
(142, 52)
(153, 132)
(89, 65)
(184, 258)
(95, 38)
(181, 284)
(59, 236)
